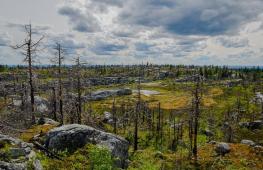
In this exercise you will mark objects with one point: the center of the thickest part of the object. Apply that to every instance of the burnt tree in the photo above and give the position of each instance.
(29, 49)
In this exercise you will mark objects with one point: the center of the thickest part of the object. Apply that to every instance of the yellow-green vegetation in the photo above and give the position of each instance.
(35, 130)
(145, 159)
(216, 102)
(240, 157)
(86, 158)
(4, 151)
(179, 98)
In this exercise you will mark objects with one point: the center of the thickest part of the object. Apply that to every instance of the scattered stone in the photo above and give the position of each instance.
(42, 121)
(159, 155)
(248, 142)
(18, 150)
(244, 124)
(107, 117)
(222, 148)
(41, 104)
(12, 166)
(208, 133)
(212, 142)
(37, 165)
(258, 149)
(74, 136)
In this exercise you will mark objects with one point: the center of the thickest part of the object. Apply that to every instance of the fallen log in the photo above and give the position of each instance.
(48, 152)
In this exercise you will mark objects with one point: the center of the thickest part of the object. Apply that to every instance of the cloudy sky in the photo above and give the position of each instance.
(201, 32)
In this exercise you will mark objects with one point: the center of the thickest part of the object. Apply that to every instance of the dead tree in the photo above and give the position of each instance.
(197, 96)
(79, 87)
(114, 117)
(158, 127)
(138, 108)
(54, 103)
(58, 60)
(190, 129)
(29, 49)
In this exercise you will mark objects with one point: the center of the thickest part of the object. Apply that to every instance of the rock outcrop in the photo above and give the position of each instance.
(41, 103)
(16, 154)
(103, 94)
(222, 148)
(258, 124)
(74, 136)
(248, 142)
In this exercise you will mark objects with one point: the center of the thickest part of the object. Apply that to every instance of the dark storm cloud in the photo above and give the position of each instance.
(118, 3)
(191, 17)
(36, 29)
(103, 48)
(191, 44)
(68, 43)
(81, 21)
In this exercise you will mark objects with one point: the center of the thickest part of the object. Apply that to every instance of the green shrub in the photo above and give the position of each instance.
(100, 158)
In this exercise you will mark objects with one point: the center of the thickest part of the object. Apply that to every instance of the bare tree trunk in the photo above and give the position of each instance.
(197, 100)
(138, 109)
(79, 100)
(60, 84)
(190, 133)
(114, 117)
(32, 99)
(54, 104)
(135, 147)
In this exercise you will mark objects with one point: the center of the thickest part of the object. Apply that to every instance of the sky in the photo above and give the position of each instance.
(199, 32)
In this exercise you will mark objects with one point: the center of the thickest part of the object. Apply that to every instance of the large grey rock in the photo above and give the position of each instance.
(18, 149)
(258, 124)
(41, 103)
(74, 136)
(103, 94)
(222, 148)
(248, 142)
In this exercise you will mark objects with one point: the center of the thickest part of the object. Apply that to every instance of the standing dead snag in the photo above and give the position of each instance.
(137, 110)
(190, 128)
(58, 60)
(29, 49)
(54, 103)
(159, 135)
(197, 96)
(114, 117)
(78, 75)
